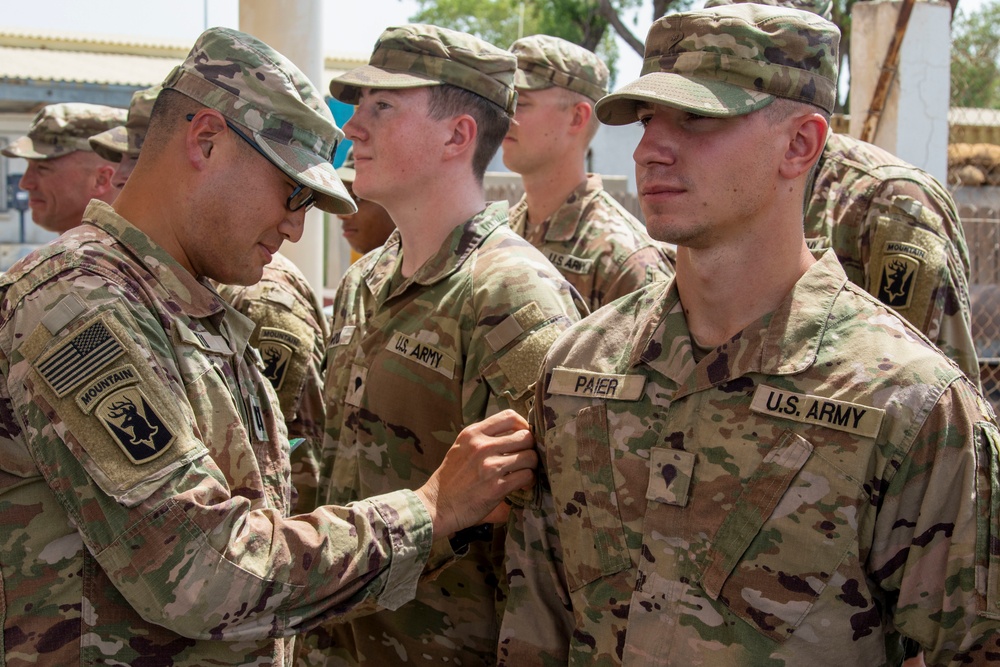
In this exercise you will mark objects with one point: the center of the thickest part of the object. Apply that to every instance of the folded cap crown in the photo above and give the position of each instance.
(544, 61)
(418, 55)
(732, 60)
(822, 8)
(60, 129)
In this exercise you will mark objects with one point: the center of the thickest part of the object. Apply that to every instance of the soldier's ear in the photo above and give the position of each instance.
(806, 140)
(203, 136)
(103, 180)
(582, 113)
(462, 136)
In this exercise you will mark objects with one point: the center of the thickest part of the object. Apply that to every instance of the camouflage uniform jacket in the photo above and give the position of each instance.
(598, 246)
(817, 484)
(412, 361)
(897, 233)
(144, 474)
(290, 334)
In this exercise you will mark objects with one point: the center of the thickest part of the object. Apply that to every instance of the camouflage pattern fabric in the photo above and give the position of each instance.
(61, 129)
(290, 333)
(544, 61)
(598, 246)
(815, 487)
(897, 233)
(411, 362)
(823, 8)
(144, 474)
(110, 144)
(732, 60)
(418, 55)
(128, 140)
(253, 85)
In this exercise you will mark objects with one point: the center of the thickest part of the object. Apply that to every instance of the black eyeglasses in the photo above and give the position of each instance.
(302, 196)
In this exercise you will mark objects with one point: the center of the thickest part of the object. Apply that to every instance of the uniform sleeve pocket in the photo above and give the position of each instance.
(786, 507)
(591, 527)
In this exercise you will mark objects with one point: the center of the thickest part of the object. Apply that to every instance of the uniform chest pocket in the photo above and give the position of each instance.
(784, 539)
(204, 374)
(196, 355)
(590, 525)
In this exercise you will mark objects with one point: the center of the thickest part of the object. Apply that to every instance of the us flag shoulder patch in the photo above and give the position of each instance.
(79, 358)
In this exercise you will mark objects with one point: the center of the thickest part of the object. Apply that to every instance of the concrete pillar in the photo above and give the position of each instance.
(294, 28)
(914, 123)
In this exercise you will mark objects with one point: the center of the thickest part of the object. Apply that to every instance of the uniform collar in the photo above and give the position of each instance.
(194, 297)
(786, 341)
(562, 225)
(457, 248)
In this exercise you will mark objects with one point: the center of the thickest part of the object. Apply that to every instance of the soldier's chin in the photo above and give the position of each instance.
(40, 218)
(249, 275)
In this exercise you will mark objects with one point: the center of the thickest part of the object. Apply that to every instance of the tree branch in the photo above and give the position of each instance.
(608, 12)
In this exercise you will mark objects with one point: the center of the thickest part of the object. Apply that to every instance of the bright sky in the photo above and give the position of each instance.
(351, 26)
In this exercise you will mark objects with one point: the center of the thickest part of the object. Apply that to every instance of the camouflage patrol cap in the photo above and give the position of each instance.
(110, 144)
(730, 61)
(346, 170)
(60, 129)
(256, 87)
(119, 140)
(544, 61)
(415, 56)
(822, 8)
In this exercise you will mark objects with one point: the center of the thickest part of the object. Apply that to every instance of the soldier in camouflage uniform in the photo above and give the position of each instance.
(371, 225)
(121, 145)
(145, 477)
(63, 172)
(896, 231)
(290, 331)
(446, 323)
(565, 212)
(758, 463)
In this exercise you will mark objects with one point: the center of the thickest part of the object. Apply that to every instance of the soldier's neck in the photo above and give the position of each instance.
(547, 189)
(725, 288)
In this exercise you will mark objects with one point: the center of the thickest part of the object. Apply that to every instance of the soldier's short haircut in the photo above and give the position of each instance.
(169, 112)
(782, 108)
(448, 101)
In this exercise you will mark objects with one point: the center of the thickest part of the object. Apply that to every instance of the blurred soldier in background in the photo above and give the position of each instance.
(63, 172)
(598, 246)
(122, 144)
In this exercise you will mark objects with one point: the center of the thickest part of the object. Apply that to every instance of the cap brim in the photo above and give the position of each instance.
(705, 97)
(345, 87)
(306, 167)
(27, 149)
(111, 144)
